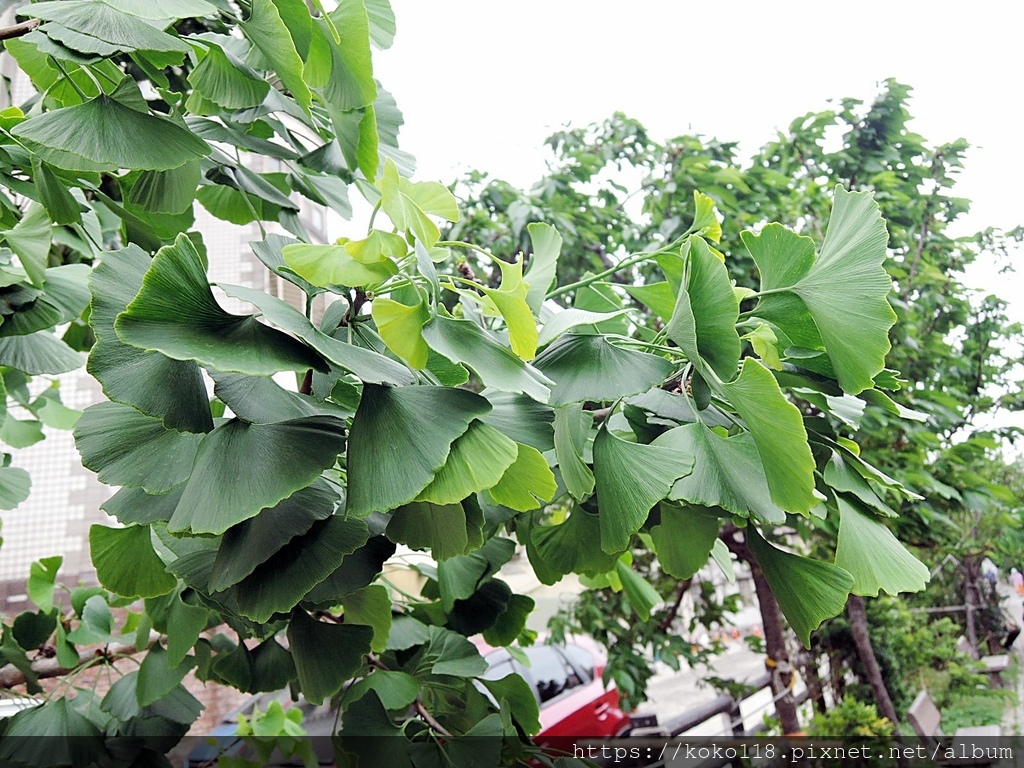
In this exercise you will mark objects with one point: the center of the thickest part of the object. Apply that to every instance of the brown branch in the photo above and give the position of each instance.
(44, 668)
(429, 718)
(680, 593)
(7, 33)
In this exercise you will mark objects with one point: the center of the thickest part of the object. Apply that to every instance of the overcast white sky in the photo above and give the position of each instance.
(482, 84)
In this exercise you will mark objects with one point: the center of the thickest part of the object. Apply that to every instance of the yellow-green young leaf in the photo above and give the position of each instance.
(409, 205)
(478, 460)
(510, 299)
(268, 32)
(764, 341)
(540, 274)
(376, 247)
(370, 606)
(528, 484)
(705, 219)
(808, 591)
(126, 562)
(324, 265)
(401, 327)
(874, 557)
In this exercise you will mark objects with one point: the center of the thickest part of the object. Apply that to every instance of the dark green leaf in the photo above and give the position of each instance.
(684, 538)
(326, 655)
(158, 677)
(126, 562)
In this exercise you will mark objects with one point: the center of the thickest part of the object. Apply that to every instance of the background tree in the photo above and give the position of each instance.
(954, 347)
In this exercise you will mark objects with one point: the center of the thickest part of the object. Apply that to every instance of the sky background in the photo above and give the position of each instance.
(483, 84)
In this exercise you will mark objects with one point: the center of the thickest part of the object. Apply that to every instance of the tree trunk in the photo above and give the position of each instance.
(857, 614)
(815, 691)
(972, 598)
(774, 636)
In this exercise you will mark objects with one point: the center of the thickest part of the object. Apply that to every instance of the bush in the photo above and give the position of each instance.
(852, 720)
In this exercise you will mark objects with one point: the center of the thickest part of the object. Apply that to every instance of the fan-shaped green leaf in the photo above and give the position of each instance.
(592, 368)
(260, 400)
(278, 584)
(571, 318)
(351, 84)
(463, 341)
(522, 418)
(573, 546)
(370, 606)
(844, 289)
(228, 82)
(397, 690)
(727, 472)
(400, 438)
(572, 427)
(641, 595)
(171, 191)
(527, 484)
(874, 557)
(165, 9)
(150, 382)
(125, 447)
(704, 321)
(268, 32)
(133, 506)
(247, 545)
(51, 734)
(30, 239)
(477, 461)
(158, 677)
(684, 538)
(778, 431)
(126, 562)
(175, 313)
(370, 366)
(39, 352)
(106, 24)
(241, 468)
(808, 591)
(15, 485)
(631, 479)
(104, 135)
(443, 529)
(326, 655)
(355, 572)
(60, 204)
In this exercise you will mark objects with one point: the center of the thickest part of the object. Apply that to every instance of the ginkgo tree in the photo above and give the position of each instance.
(430, 410)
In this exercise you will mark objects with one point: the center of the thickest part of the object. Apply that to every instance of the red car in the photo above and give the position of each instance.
(566, 679)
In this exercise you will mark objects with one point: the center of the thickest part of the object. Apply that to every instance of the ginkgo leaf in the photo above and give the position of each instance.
(39, 352)
(684, 539)
(176, 314)
(377, 246)
(592, 368)
(409, 205)
(846, 274)
(572, 427)
(400, 438)
(103, 134)
(226, 81)
(841, 477)
(809, 591)
(30, 239)
(171, 191)
(126, 562)
(477, 461)
(324, 265)
(778, 431)
(326, 655)
(631, 479)
(522, 418)
(727, 472)
(269, 34)
(463, 341)
(444, 529)
(705, 221)
(156, 385)
(543, 264)
(874, 557)
(351, 84)
(571, 318)
(128, 448)
(401, 328)
(245, 546)
(510, 299)
(642, 597)
(527, 484)
(370, 606)
(242, 468)
(573, 546)
(105, 23)
(704, 321)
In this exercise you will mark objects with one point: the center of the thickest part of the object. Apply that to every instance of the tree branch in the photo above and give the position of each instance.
(7, 33)
(10, 676)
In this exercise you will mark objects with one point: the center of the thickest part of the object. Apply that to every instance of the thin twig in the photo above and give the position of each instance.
(7, 33)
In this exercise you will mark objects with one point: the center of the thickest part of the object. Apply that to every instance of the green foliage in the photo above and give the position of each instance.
(852, 721)
(435, 410)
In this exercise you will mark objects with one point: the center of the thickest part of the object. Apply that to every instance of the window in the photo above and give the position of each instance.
(552, 675)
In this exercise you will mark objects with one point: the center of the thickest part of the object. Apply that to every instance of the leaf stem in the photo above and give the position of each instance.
(68, 77)
(471, 247)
